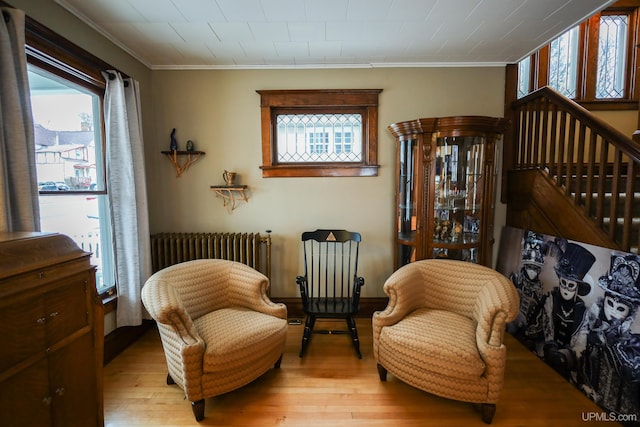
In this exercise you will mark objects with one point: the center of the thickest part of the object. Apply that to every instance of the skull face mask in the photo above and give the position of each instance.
(615, 308)
(568, 288)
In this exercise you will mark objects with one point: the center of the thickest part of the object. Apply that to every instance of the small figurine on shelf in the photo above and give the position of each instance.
(456, 231)
(174, 143)
(190, 146)
(442, 230)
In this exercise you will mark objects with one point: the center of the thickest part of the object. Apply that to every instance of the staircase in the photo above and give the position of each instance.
(563, 162)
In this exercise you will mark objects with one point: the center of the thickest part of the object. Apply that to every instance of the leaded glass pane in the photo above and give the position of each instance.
(563, 63)
(611, 56)
(524, 73)
(319, 138)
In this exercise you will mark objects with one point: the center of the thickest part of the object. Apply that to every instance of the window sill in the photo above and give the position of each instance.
(315, 170)
(109, 300)
(609, 105)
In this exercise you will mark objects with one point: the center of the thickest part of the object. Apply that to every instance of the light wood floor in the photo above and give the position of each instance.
(330, 386)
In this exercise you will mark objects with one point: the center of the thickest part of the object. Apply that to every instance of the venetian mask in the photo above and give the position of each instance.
(532, 271)
(615, 308)
(568, 288)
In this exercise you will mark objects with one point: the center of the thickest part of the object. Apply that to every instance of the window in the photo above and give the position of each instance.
(318, 147)
(344, 142)
(524, 76)
(321, 137)
(592, 63)
(563, 63)
(319, 132)
(67, 91)
(69, 165)
(612, 42)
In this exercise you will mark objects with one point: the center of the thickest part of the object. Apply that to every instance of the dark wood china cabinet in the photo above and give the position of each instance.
(445, 187)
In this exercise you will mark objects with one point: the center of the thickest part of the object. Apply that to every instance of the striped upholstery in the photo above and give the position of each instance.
(442, 329)
(219, 329)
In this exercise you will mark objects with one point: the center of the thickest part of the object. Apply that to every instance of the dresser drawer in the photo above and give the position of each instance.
(31, 325)
(66, 308)
(23, 330)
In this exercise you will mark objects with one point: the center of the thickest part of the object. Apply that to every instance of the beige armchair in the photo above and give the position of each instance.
(442, 330)
(219, 329)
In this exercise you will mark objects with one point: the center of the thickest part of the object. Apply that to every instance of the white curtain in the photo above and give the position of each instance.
(126, 186)
(19, 210)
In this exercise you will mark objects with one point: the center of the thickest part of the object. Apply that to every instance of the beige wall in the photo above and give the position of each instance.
(219, 111)
(625, 121)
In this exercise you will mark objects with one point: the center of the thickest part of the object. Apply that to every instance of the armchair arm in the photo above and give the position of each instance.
(302, 284)
(405, 290)
(249, 289)
(165, 306)
(497, 303)
(184, 349)
(358, 283)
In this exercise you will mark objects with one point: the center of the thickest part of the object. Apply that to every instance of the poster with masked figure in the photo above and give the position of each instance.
(579, 313)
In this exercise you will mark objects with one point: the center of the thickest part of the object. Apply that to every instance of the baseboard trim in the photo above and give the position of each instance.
(116, 341)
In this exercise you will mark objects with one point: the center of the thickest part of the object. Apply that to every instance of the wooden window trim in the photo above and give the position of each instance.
(587, 54)
(310, 101)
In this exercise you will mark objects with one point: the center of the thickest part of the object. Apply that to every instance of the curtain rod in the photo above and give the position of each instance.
(112, 76)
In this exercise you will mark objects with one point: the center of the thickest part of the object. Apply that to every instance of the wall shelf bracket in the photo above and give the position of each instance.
(190, 158)
(231, 194)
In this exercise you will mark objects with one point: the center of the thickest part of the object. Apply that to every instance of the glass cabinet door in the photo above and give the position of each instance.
(444, 188)
(458, 197)
(407, 200)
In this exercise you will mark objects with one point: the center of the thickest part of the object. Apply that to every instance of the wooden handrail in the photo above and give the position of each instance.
(576, 110)
(594, 164)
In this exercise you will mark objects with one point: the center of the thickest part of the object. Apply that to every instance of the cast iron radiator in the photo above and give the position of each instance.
(251, 249)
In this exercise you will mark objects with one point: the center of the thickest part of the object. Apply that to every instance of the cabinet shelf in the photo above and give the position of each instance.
(230, 194)
(445, 169)
(190, 157)
(467, 241)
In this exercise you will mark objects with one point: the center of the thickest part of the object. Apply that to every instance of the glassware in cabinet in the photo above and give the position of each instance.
(445, 188)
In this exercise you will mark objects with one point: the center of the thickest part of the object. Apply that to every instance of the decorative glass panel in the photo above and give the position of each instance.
(612, 44)
(563, 63)
(319, 138)
(407, 200)
(524, 74)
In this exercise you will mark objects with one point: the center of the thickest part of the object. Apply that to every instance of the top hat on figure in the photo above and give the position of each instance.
(574, 264)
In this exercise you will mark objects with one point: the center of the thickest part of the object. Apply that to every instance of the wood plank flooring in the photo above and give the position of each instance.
(330, 386)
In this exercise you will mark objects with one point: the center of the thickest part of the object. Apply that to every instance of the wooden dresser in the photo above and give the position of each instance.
(51, 333)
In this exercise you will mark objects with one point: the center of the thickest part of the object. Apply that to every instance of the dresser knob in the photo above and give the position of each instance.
(41, 320)
(47, 400)
(54, 314)
(60, 391)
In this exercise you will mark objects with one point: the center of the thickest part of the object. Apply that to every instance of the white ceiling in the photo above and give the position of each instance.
(202, 34)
